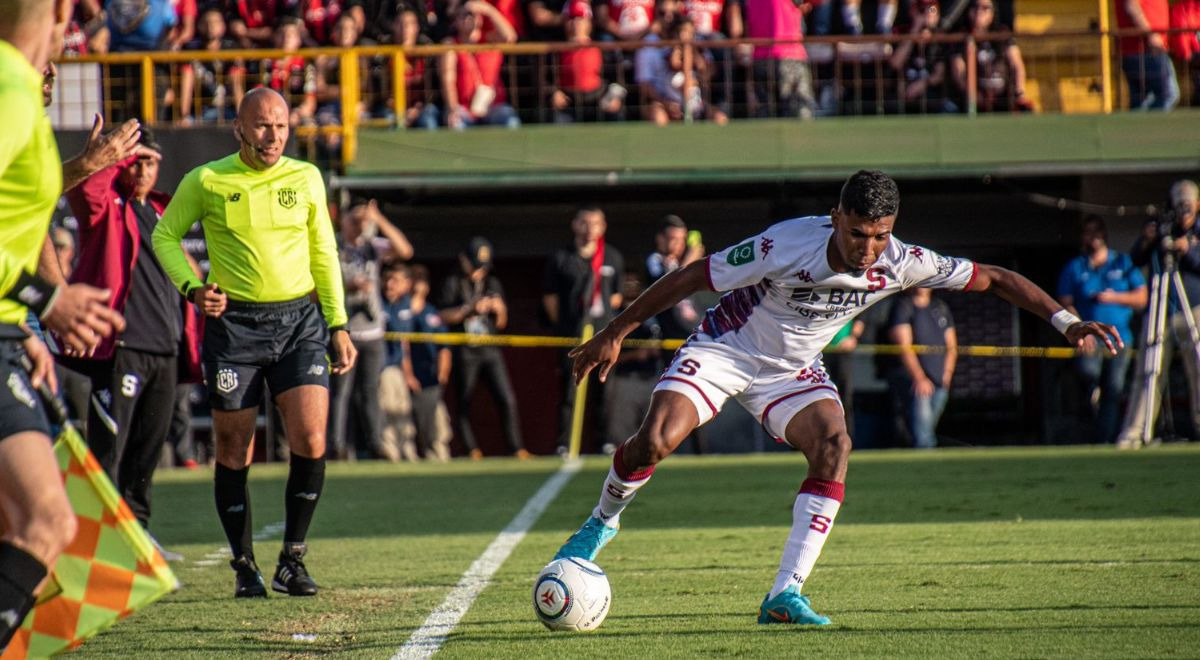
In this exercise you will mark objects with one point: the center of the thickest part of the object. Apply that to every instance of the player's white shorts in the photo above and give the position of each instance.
(708, 373)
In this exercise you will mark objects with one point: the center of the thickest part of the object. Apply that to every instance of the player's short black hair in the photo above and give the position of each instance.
(587, 208)
(394, 266)
(671, 222)
(870, 194)
(1093, 220)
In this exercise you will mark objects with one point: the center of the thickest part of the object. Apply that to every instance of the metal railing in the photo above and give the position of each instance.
(333, 92)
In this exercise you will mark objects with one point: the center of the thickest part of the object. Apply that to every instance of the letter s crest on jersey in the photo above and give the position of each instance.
(741, 255)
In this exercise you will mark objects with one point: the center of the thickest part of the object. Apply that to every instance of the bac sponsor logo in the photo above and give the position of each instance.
(741, 254)
(286, 197)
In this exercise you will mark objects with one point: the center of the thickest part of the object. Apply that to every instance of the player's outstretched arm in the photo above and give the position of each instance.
(1018, 290)
(602, 350)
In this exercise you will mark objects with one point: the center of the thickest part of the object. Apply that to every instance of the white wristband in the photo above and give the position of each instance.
(1062, 320)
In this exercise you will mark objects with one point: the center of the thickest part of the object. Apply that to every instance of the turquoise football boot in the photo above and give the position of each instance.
(790, 607)
(586, 543)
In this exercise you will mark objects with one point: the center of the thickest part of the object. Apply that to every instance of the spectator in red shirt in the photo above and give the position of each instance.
(627, 20)
(184, 29)
(469, 97)
(291, 75)
(252, 22)
(1148, 69)
(320, 20)
(580, 93)
(1185, 46)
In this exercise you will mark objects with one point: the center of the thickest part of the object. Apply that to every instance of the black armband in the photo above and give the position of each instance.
(33, 292)
(335, 328)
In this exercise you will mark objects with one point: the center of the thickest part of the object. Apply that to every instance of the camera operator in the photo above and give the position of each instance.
(1175, 237)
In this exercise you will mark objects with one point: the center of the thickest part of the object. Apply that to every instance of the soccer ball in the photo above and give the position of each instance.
(571, 594)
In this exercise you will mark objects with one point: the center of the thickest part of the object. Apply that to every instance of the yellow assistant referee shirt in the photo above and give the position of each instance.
(268, 231)
(30, 174)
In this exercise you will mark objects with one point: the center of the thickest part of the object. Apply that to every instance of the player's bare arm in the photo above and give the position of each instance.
(602, 350)
(1018, 290)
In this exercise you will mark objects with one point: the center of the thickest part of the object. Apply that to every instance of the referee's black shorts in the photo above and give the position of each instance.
(20, 408)
(281, 344)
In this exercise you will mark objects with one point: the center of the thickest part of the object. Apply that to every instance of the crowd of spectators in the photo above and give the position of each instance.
(681, 77)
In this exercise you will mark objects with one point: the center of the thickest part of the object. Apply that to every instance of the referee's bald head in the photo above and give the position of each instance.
(262, 127)
(255, 99)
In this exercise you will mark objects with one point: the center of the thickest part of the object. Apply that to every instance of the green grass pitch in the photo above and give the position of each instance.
(1033, 552)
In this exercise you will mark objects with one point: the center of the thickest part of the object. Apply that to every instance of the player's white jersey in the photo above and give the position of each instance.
(784, 302)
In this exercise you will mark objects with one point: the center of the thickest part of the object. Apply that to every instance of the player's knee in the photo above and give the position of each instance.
(835, 447)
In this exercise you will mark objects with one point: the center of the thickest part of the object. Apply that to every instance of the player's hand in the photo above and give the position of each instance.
(210, 299)
(43, 364)
(81, 317)
(1083, 335)
(599, 351)
(108, 149)
(344, 353)
(923, 388)
(414, 385)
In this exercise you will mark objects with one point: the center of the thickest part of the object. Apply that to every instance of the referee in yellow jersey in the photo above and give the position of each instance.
(270, 244)
(36, 521)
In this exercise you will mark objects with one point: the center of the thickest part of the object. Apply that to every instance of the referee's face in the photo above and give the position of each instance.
(262, 128)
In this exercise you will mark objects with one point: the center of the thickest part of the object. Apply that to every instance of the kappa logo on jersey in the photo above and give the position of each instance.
(286, 197)
(741, 254)
(20, 391)
(804, 276)
(234, 197)
(766, 246)
(227, 380)
(916, 252)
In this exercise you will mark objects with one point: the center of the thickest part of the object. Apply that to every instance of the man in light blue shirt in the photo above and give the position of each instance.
(1103, 285)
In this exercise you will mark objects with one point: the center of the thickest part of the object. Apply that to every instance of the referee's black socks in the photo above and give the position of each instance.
(20, 574)
(233, 507)
(306, 478)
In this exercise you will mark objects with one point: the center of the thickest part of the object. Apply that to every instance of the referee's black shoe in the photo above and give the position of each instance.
(250, 583)
(291, 577)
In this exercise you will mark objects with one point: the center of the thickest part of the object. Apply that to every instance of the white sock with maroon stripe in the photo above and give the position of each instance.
(619, 488)
(812, 517)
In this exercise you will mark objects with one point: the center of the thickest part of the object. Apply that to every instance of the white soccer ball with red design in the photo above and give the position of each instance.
(571, 594)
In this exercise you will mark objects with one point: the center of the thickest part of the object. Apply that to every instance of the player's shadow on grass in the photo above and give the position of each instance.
(725, 492)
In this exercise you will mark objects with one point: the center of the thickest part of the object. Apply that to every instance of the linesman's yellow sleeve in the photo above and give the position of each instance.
(184, 209)
(14, 112)
(323, 254)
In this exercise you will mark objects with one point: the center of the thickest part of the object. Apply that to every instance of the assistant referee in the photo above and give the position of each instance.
(270, 244)
(36, 521)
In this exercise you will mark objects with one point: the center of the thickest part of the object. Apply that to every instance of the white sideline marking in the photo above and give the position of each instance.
(432, 634)
(212, 558)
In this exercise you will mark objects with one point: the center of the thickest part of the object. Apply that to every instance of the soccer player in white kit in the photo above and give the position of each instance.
(789, 290)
